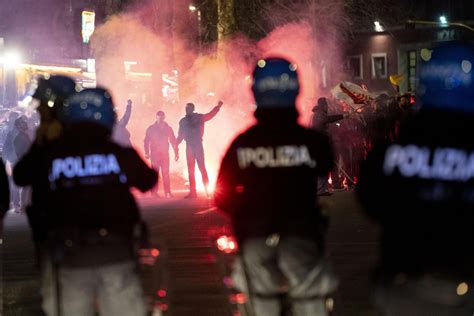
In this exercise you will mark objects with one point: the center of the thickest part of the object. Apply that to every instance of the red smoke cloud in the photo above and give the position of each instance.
(204, 78)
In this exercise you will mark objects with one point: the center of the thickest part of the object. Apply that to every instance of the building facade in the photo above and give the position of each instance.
(373, 55)
(48, 36)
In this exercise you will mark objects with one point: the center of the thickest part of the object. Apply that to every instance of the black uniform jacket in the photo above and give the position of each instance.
(81, 189)
(191, 127)
(267, 180)
(421, 191)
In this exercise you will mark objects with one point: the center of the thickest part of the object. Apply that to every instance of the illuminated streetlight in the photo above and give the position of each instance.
(378, 27)
(11, 60)
(443, 20)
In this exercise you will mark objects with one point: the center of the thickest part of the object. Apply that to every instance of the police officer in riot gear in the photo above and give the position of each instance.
(420, 189)
(267, 185)
(48, 98)
(191, 130)
(84, 181)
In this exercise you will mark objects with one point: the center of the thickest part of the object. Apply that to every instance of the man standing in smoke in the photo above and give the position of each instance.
(121, 134)
(191, 129)
(157, 139)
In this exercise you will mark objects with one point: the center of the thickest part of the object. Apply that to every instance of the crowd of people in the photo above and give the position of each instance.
(416, 182)
(353, 133)
(355, 130)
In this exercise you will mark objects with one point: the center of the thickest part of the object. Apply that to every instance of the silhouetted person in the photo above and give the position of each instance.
(157, 140)
(420, 190)
(320, 121)
(50, 95)
(121, 134)
(10, 158)
(267, 185)
(21, 144)
(82, 183)
(321, 118)
(191, 129)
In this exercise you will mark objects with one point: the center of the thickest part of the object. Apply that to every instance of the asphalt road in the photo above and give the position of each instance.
(189, 270)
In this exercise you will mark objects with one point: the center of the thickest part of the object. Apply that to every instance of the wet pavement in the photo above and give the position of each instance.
(188, 277)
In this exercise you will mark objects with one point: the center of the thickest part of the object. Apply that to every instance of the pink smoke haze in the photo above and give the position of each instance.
(205, 77)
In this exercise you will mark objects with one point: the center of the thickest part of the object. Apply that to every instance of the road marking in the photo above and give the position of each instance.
(212, 209)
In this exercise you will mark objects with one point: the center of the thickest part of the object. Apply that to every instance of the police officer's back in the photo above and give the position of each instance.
(47, 100)
(84, 181)
(267, 184)
(267, 177)
(420, 189)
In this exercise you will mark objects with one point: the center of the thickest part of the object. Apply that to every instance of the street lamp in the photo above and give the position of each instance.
(11, 60)
(378, 27)
(443, 20)
(438, 23)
